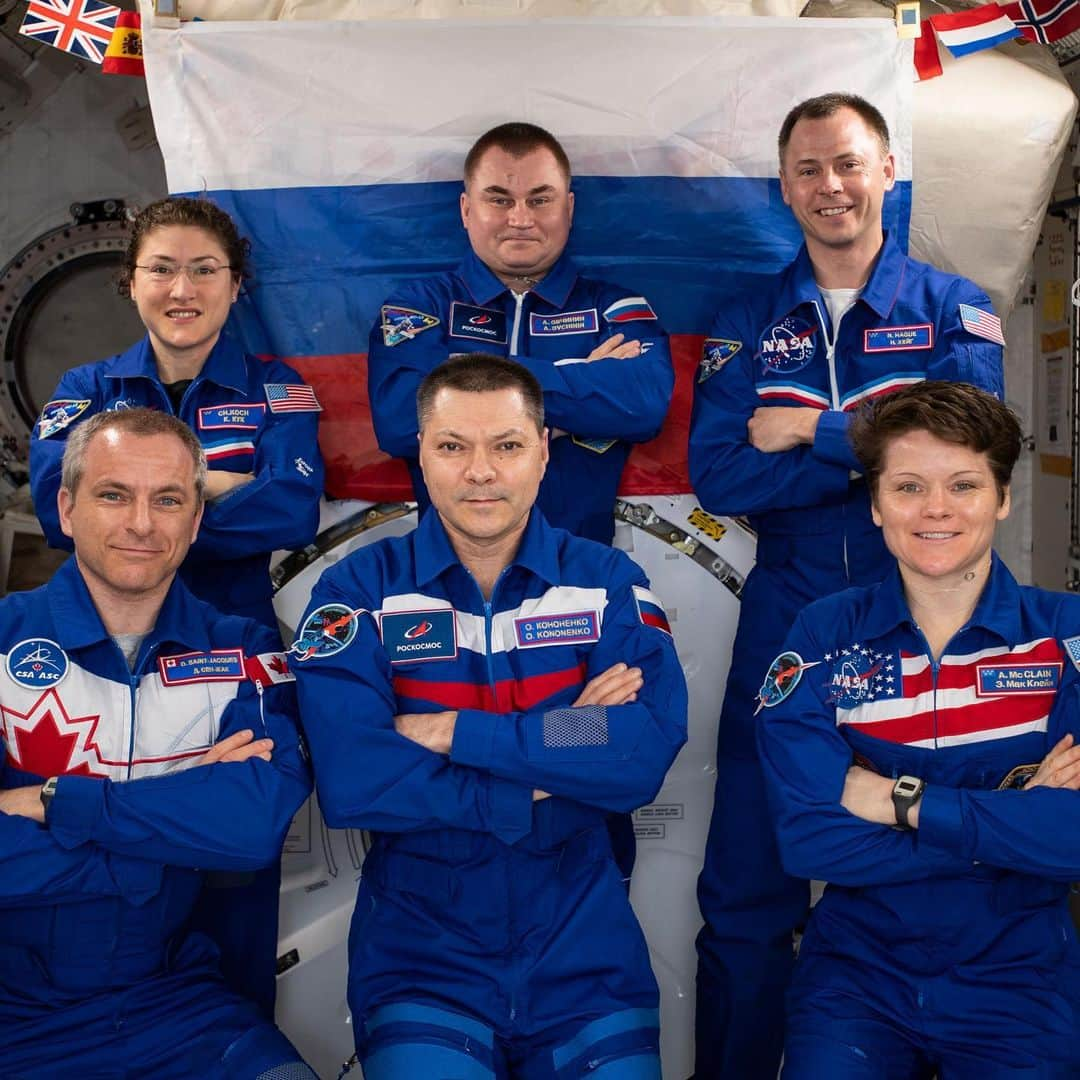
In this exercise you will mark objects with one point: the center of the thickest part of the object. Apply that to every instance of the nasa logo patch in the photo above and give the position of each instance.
(37, 663)
(789, 346)
(409, 636)
(326, 631)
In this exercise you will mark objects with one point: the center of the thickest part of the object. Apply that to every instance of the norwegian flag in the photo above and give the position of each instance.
(981, 323)
(81, 27)
(291, 397)
(1045, 20)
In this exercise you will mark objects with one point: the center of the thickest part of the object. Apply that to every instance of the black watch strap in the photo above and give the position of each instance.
(48, 790)
(906, 793)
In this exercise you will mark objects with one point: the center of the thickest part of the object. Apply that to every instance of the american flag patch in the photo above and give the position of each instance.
(906, 704)
(291, 397)
(984, 324)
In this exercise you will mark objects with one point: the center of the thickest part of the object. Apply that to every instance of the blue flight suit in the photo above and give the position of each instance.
(946, 950)
(815, 536)
(100, 973)
(492, 934)
(243, 427)
(602, 406)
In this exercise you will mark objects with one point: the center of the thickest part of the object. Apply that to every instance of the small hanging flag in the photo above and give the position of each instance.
(80, 27)
(927, 60)
(1045, 20)
(124, 54)
(966, 32)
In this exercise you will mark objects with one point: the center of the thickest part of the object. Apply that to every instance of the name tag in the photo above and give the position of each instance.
(899, 338)
(218, 665)
(566, 322)
(572, 628)
(477, 323)
(241, 415)
(409, 636)
(995, 680)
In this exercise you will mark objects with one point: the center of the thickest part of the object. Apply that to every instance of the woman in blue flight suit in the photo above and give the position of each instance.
(918, 739)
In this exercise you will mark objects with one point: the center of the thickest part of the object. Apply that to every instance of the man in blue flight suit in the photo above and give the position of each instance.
(147, 739)
(481, 693)
(598, 351)
(782, 369)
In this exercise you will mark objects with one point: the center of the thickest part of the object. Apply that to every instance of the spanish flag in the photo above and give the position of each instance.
(124, 54)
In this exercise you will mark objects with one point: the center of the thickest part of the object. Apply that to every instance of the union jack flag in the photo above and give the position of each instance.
(81, 27)
(1044, 20)
(291, 397)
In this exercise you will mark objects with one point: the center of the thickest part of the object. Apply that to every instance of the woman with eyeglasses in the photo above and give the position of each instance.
(257, 421)
(919, 743)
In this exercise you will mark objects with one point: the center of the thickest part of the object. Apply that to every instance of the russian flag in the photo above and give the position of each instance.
(974, 30)
(338, 148)
(650, 610)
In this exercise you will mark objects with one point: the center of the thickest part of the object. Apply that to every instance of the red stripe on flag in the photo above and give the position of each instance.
(927, 59)
(510, 694)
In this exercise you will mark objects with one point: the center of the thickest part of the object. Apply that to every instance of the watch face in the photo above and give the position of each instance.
(907, 787)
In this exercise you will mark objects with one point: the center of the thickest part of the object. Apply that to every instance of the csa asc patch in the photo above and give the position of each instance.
(715, 353)
(403, 324)
(569, 628)
(409, 636)
(898, 338)
(650, 611)
(995, 680)
(241, 415)
(633, 307)
(597, 446)
(58, 414)
(477, 323)
(326, 631)
(37, 663)
(566, 322)
(706, 523)
(789, 346)
(217, 665)
(784, 674)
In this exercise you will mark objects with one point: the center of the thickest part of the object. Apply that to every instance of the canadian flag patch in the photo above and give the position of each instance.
(268, 668)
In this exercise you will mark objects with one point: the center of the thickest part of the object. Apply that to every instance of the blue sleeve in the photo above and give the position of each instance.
(1033, 832)
(280, 507)
(396, 371)
(370, 777)
(614, 757)
(805, 760)
(612, 399)
(958, 356)
(728, 474)
(228, 816)
(46, 455)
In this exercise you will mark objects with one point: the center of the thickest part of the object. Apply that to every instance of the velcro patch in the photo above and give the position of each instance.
(269, 668)
(898, 338)
(1072, 648)
(217, 665)
(241, 415)
(597, 446)
(566, 322)
(410, 636)
(59, 414)
(477, 323)
(569, 628)
(715, 353)
(1016, 779)
(995, 680)
(400, 324)
(629, 309)
(650, 610)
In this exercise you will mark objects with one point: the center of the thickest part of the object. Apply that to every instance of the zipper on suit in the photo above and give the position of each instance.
(519, 303)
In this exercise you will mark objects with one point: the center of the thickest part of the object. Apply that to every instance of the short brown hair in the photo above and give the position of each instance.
(957, 413)
(141, 422)
(516, 139)
(199, 213)
(481, 373)
(826, 105)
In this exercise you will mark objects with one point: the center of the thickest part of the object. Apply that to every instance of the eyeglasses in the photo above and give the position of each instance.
(165, 274)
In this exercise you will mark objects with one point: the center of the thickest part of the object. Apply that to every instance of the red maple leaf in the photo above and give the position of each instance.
(47, 741)
(279, 664)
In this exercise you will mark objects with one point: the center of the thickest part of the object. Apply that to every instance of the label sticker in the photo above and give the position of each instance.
(570, 628)
(241, 415)
(217, 665)
(566, 322)
(477, 323)
(898, 338)
(995, 680)
(409, 636)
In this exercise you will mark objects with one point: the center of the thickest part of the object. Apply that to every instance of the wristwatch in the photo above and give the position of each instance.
(906, 792)
(48, 790)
